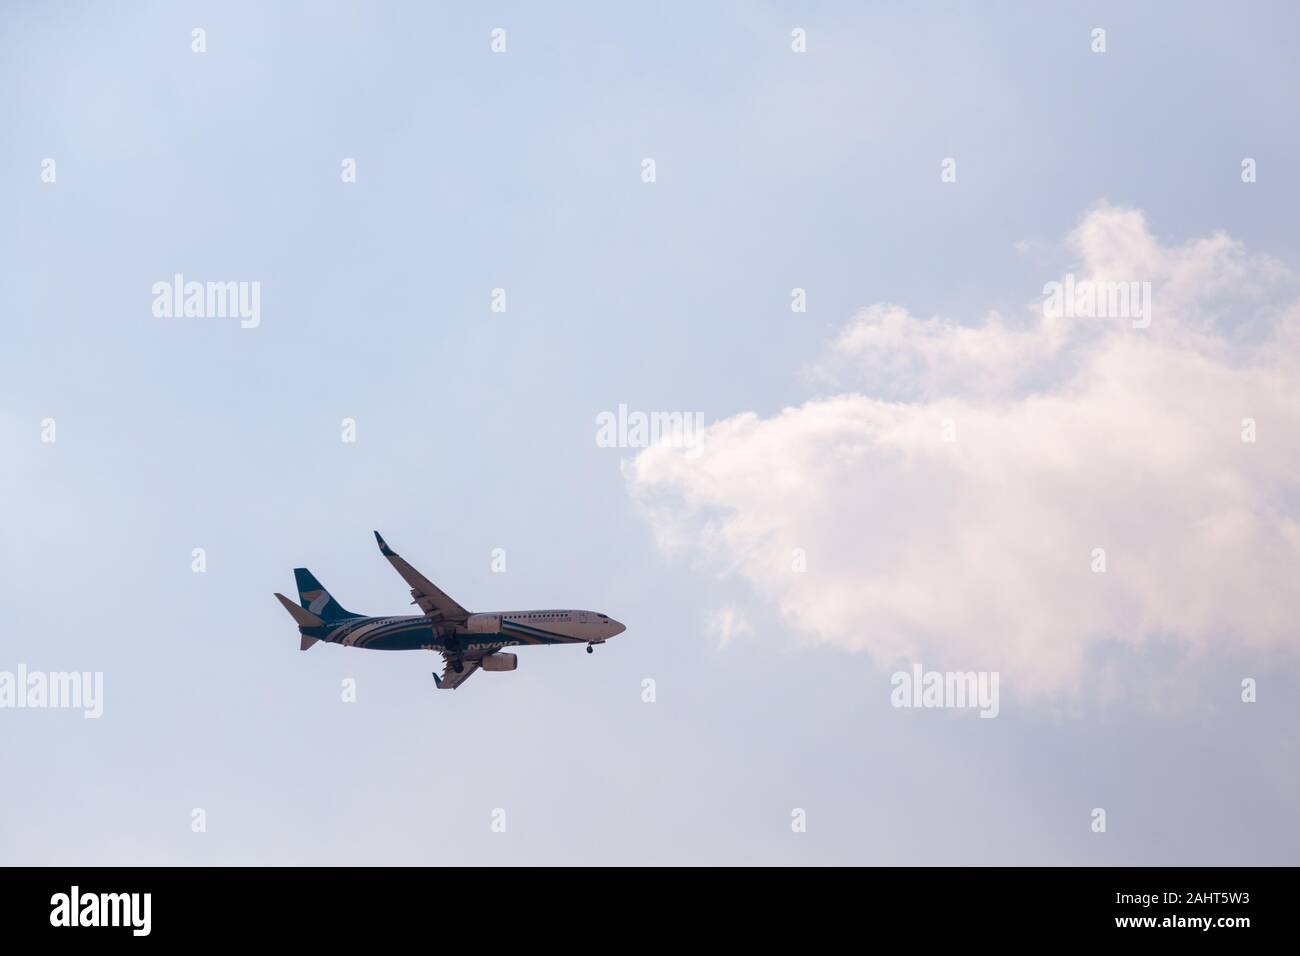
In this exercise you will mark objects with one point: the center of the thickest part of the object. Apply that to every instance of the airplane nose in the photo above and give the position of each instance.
(618, 628)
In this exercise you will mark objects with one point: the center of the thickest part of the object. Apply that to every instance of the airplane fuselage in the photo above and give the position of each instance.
(484, 632)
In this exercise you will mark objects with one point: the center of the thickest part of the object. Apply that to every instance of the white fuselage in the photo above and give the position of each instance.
(486, 631)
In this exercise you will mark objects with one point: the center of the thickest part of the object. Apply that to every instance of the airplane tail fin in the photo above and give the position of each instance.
(317, 600)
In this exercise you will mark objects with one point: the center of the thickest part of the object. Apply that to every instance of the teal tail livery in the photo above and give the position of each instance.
(313, 596)
(468, 641)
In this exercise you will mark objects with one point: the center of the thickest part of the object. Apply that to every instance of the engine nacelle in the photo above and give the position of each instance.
(483, 624)
(500, 661)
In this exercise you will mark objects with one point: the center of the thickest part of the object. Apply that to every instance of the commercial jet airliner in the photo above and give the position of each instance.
(466, 641)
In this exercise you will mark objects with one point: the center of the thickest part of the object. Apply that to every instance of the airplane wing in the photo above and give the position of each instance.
(432, 601)
(450, 680)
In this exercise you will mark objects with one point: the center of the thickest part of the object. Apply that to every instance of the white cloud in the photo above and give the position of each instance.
(905, 357)
(1070, 435)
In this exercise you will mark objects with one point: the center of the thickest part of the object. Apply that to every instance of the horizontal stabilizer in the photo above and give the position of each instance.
(306, 642)
(304, 617)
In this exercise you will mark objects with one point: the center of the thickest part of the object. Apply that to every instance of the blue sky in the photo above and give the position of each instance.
(475, 430)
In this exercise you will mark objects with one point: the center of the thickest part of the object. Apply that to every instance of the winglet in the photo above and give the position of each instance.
(384, 549)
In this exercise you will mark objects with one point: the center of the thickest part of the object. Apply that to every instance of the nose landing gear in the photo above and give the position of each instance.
(590, 649)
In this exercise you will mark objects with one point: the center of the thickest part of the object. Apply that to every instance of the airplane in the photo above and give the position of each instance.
(467, 641)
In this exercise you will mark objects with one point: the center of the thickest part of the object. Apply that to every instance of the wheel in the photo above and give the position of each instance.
(590, 649)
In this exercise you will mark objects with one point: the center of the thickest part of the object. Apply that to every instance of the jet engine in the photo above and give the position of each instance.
(483, 624)
(500, 661)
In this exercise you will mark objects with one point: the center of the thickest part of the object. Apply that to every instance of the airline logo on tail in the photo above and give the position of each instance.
(316, 600)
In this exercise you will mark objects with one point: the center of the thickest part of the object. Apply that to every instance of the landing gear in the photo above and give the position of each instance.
(590, 649)
(452, 651)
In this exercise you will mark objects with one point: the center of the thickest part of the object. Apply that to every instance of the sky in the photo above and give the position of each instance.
(915, 461)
